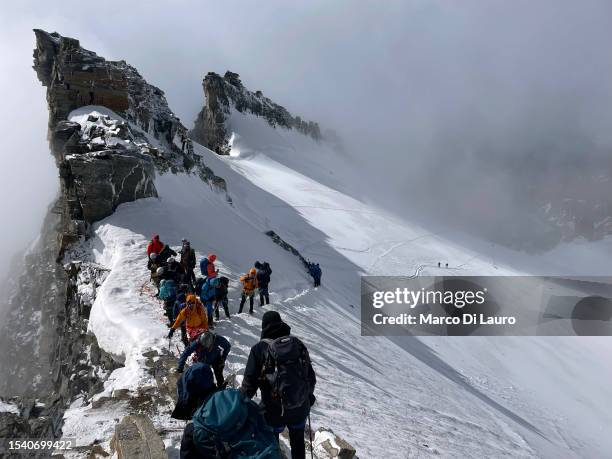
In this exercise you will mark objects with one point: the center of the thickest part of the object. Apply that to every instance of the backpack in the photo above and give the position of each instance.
(286, 366)
(231, 425)
(167, 290)
(195, 384)
(204, 266)
(208, 290)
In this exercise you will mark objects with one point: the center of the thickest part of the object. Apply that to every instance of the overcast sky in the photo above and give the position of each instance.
(390, 76)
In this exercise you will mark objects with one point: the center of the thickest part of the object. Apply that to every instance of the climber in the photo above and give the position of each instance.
(211, 349)
(249, 284)
(188, 261)
(183, 141)
(221, 297)
(263, 280)
(207, 296)
(168, 293)
(315, 271)
(281, 362)
(207, 266)
(153, 265)
(179, 304)
(155, 245)
(165, 253)
(193, 389)
(194, 316)
(174, 270)
(229, 425)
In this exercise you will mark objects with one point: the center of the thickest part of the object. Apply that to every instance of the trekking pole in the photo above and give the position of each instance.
(310, 436)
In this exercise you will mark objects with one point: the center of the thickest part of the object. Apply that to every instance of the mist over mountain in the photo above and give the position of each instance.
(423, 138)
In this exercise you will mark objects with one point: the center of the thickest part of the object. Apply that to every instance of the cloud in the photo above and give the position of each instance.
(410, 85)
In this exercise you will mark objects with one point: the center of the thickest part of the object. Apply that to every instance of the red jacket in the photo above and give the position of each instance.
(211, 272)
(155, 246)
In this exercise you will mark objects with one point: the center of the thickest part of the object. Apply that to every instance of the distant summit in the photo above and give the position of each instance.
(222, 94)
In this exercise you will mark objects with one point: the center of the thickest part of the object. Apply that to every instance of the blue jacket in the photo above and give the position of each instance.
(220, 349)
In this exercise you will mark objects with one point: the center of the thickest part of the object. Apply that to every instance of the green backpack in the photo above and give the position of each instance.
(230, 425)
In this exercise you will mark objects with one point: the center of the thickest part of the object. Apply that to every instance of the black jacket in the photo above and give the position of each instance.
(165, 253)
(252, 377)
(188, 258)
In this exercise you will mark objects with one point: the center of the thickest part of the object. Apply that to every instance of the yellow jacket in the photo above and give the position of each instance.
(194, 317)
(249, 283)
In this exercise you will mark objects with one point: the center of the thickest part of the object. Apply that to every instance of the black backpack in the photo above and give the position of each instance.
(285, 369)
(198, 285)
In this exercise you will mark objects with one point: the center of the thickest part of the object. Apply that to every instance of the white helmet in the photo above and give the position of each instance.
(153, 256)
(171, 260)
(160, 271)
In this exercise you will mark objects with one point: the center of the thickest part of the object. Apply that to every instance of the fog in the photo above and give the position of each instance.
(434, 98)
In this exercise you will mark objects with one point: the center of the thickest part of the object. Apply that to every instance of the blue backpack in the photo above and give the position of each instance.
(231, 425)
(204, 266)
(193, 388)
(209, 291)
(167, 290)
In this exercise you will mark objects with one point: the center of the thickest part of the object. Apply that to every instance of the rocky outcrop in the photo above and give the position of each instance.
(328, 445)
(136, 437)
(110, 133)
(227, 92)
(111, 155)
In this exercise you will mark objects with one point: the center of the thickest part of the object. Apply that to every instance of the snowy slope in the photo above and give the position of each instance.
(474, 397)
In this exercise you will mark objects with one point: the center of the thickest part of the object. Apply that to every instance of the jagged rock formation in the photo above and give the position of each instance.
(227, 92)
(102, 161)
(107, 155)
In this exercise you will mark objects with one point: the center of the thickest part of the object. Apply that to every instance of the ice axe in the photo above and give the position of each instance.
(310, 437)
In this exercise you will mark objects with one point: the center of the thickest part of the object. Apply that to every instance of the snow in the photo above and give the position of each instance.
(8, 408)
(404, 397)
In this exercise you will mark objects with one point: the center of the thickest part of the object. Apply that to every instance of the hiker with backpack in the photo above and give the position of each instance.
(263, 281)
(174, 270)
(179, 304)
(207, 266)
(249, 284)
(207, 296)
(193, 388)
(315, 271)
(193, 315)
(221, 297)
(164, 255)
(188, 261)
(211, 349)
(280, 367)
(167, 293)
(229, 425)
(153, 265)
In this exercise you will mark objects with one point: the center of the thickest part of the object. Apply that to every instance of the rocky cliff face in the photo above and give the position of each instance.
(227, 92)
(102, 161)
(106, 155)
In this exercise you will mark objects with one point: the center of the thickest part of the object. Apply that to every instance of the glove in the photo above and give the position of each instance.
(313, 399)
(171, 333)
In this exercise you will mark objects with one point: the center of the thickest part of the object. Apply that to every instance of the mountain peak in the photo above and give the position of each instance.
(224, 93)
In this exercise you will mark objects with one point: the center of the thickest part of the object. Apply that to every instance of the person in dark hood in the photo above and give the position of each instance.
(188, 261)
(280, 363)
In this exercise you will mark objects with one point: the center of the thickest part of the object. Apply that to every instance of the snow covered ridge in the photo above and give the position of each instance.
(224, 94)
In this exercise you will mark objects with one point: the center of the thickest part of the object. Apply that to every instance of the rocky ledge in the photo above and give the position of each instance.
(223, 93)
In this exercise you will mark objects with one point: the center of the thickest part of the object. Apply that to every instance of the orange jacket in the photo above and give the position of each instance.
(249, 283)
(195, 317)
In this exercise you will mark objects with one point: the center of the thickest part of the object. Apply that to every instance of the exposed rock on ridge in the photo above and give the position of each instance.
(223, 93)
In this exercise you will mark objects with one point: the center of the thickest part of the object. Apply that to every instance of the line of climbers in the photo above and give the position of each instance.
(226, 422)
